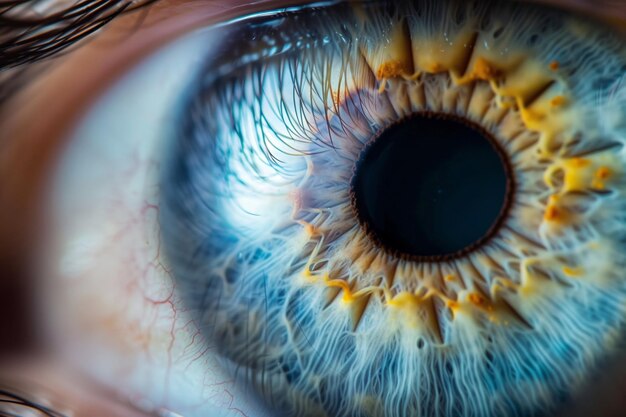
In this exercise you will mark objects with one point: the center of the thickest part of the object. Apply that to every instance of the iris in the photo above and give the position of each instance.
(497, 301)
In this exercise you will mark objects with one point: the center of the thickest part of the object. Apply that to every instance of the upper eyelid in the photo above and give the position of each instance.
(32, 37)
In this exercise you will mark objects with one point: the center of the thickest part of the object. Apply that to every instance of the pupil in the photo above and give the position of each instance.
(432, 186)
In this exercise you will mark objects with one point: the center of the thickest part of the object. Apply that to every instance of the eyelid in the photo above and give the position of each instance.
(606, 10)
(102, 59)
(168, 19)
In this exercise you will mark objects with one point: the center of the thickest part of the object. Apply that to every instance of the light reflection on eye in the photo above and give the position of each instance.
(112, 240)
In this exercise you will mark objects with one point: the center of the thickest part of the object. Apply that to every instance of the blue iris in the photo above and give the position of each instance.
(259, 222)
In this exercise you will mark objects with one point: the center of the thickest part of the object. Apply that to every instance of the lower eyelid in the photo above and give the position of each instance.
(45, 385)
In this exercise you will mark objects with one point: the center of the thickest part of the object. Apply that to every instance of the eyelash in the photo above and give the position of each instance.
(29, 37)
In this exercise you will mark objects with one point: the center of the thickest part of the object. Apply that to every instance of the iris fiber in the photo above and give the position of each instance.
(410, 183)
(323, 320)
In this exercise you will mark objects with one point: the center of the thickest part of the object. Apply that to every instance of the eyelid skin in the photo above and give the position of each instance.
(34, 136)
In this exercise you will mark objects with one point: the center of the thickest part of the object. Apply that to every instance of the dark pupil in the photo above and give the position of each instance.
(431, 186)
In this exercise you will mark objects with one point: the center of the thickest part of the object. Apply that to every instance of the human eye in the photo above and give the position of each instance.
(229, 252)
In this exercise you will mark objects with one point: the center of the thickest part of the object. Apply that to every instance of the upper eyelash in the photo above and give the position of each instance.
(28, 35)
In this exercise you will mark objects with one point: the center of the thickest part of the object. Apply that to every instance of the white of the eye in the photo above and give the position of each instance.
(108, 303)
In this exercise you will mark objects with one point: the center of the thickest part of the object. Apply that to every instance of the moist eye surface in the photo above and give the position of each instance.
(405, 208)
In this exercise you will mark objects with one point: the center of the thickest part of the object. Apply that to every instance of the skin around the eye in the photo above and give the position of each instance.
(45, 383)
(33, 136)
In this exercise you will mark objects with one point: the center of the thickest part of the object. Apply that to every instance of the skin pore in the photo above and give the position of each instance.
(30, 150)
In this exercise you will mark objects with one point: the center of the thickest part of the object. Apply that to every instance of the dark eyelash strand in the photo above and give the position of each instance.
(11, 403)
(28, 36)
